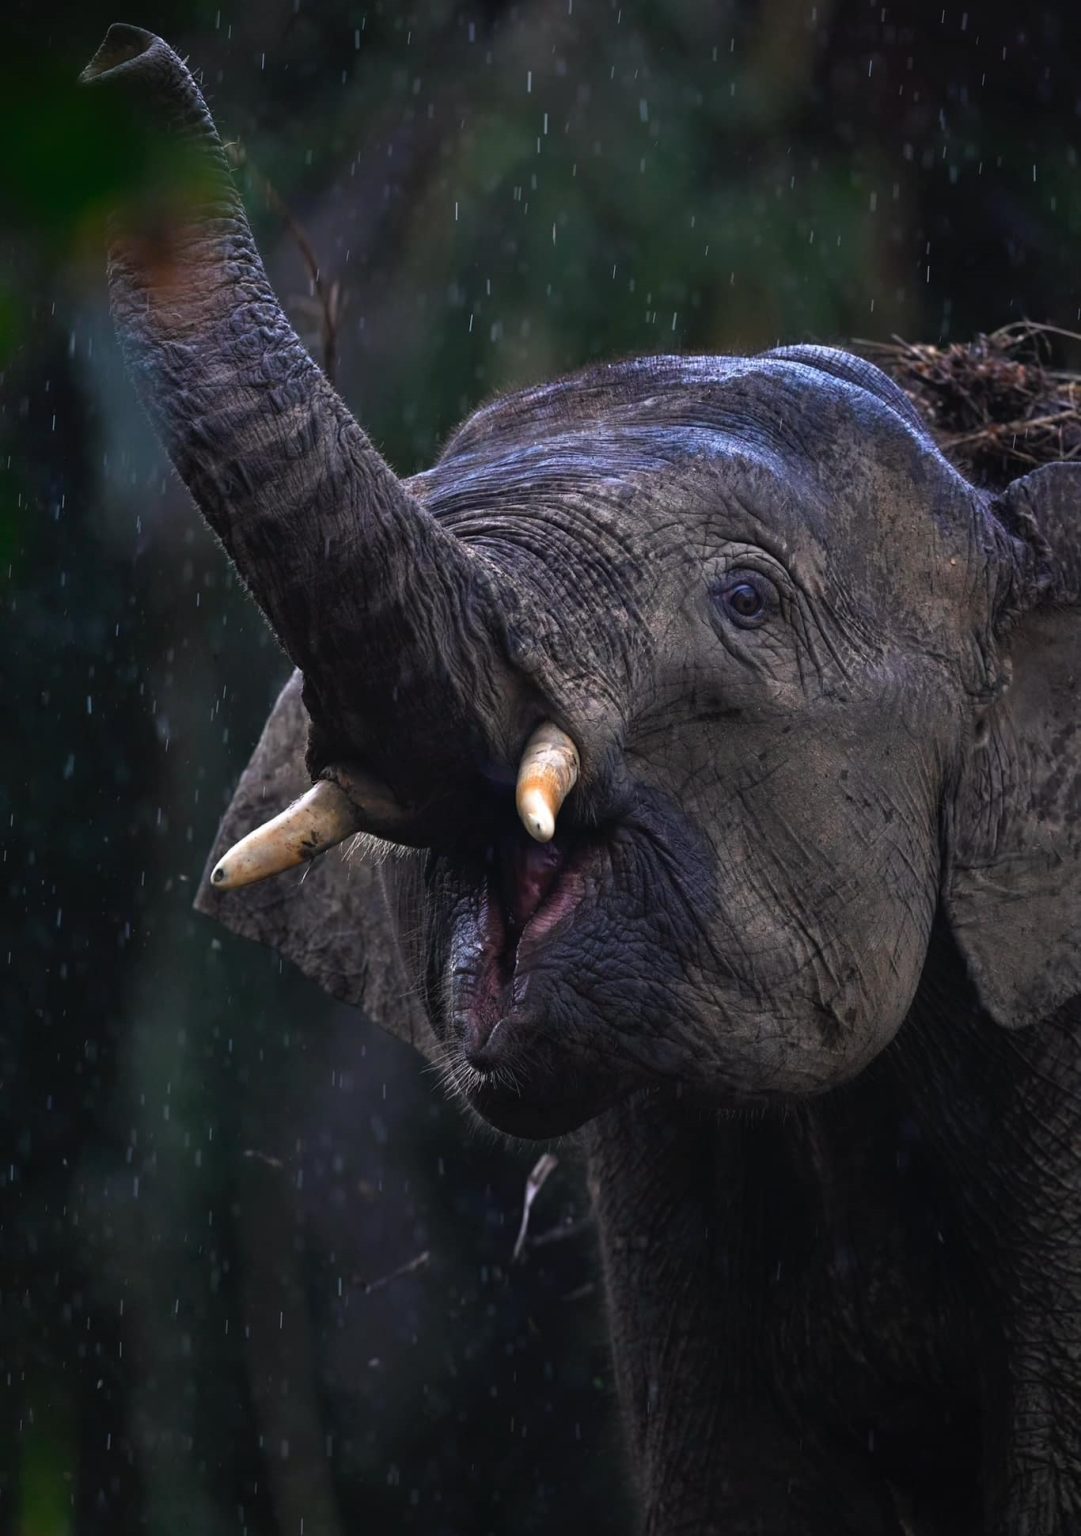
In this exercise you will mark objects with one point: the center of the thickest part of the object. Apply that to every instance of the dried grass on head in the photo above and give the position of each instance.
(995, 405)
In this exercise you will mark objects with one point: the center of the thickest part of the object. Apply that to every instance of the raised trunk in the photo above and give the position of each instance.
(391, 620)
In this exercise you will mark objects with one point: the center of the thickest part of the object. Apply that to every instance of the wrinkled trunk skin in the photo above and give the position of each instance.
(388, 616)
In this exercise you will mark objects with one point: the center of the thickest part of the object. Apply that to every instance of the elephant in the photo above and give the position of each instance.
(702, 748)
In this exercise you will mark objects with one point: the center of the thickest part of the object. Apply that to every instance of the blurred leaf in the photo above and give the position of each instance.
(82, 151)
(48, 1464)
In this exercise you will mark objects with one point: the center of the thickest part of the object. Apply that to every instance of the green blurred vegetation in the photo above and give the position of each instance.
(206, 1161)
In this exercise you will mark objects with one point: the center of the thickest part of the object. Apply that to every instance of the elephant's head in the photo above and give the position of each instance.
(813, 686)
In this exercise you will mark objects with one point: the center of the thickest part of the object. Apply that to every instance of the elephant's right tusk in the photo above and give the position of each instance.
(317, 821)
(547, 774)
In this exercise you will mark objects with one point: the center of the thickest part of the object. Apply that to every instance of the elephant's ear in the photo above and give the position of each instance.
(333, 917)
(1013, 891)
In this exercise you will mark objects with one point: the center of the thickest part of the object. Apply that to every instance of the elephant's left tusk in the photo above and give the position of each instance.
(317, 821)
(547, 774)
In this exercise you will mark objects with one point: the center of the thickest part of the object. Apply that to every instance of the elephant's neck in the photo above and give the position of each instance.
(678, 1203)
(760, 1269)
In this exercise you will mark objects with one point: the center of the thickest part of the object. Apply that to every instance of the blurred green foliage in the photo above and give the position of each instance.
(206, 1161)
(49, 1448)
(79, 152)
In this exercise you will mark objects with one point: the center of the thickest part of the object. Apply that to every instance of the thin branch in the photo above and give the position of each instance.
(563, 1233)
(544, 1165)
(992, 403)
(328, 295)
(421, 1261)
(1019, 425)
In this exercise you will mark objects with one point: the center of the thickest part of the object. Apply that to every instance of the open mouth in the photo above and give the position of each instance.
(531, 889)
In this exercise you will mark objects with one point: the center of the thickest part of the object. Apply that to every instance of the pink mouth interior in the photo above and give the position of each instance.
(532, 887)
(528, 872)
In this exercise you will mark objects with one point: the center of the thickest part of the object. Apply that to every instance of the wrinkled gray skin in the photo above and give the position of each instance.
(805, 965)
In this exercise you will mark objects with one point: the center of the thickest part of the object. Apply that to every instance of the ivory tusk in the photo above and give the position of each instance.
(547, 774)
(319, 819)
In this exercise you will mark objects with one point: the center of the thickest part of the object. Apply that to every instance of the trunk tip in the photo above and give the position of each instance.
(122, 46)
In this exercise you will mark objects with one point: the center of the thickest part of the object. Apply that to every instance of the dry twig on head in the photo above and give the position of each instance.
(996, 407)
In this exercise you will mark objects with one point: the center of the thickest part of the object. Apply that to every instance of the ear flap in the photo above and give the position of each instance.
(333, 917)
(1013, 890)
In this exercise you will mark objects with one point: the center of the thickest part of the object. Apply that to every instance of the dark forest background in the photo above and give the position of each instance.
(211, 1176)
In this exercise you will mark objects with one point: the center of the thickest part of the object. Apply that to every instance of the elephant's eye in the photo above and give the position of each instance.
(746, 598)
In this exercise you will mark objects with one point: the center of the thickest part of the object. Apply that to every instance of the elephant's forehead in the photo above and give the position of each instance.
(783, 396)
(700, 450)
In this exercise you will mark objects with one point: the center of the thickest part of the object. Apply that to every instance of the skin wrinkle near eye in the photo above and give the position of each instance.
(828, 608)
(738, 513)
(755, 650)
(800, 609)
